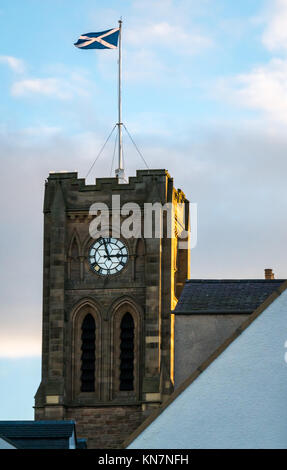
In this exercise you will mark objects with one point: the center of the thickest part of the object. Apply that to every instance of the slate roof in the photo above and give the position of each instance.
(38, 434)
(203, 296)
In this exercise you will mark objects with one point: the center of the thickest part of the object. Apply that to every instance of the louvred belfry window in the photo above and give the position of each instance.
(88, 357)
(127, 353)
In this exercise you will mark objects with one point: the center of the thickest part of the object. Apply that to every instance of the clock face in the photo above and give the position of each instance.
(108, 256)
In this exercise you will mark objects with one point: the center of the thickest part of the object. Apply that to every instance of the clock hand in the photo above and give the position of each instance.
(106, 248)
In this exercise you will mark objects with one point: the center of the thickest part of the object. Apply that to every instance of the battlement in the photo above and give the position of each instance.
(66, 175)
(147, 185)
(62, 175)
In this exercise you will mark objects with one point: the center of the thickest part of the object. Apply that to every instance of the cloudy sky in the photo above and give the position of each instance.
(204, 96)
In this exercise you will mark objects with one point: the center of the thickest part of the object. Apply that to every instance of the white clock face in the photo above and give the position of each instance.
(108, 256)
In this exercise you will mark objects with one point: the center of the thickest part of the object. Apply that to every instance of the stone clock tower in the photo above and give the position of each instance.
(107, 353)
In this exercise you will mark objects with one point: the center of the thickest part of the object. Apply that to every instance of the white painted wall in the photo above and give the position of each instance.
(5, 445)
(72, 441)
(239, 401)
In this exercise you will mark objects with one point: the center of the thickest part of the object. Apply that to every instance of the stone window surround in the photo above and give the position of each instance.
(112, 375)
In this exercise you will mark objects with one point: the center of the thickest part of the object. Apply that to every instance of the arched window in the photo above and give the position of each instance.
(88, 356)
(74, 260)
(127, 353)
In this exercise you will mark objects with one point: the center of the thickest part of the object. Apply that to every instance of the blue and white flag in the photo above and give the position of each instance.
(103, 40)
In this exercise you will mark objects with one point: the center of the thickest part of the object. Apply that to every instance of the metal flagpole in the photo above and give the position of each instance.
(120, 171)
(120, 97)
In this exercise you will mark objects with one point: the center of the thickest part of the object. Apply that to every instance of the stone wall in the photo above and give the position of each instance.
(106, 427)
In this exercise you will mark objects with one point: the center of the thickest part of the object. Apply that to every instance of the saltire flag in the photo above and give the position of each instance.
(104, 40)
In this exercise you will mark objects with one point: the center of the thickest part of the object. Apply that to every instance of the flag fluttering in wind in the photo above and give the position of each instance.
(109, 39)
(104, 40)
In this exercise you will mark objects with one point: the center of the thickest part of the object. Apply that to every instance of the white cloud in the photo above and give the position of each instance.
(263, 89)
(146, 55)
(19, 345)
(173, 9)
(144, 65)
(55, 87)
(275, 35)
(167, 35)
(17, 65)
(153, 30)
(41, 131)
(139, 65)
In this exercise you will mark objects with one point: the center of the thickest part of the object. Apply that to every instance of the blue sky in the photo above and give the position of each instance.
(204, 96)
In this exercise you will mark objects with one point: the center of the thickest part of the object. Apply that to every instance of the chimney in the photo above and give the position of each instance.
(269, 274)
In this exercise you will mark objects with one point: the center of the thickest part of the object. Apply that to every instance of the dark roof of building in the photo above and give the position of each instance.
(203, 296)
(38, 434)
(81, 443)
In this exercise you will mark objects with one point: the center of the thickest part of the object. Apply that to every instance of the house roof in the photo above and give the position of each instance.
(204, 296)
(152, 417)
(38, 434)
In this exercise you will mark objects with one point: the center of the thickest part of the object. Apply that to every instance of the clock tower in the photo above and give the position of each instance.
(107, 343)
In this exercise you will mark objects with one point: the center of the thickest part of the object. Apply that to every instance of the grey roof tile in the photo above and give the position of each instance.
(204, 296)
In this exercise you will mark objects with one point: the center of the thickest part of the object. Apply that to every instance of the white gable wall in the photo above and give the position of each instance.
(5, 444)
(239, 401)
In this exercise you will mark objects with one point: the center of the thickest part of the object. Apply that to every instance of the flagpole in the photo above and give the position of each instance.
(120, 170)
(120, 98)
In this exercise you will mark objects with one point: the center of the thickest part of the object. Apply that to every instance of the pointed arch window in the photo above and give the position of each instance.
(127, 353)
(88, 356)
(74, 260)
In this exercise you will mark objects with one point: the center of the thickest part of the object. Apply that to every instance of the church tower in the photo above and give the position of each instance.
(107, 346)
